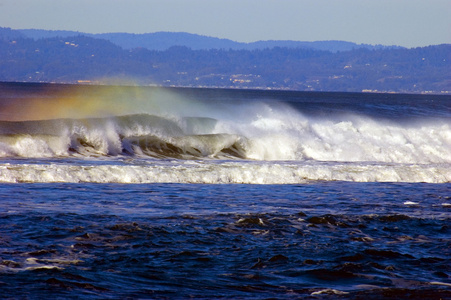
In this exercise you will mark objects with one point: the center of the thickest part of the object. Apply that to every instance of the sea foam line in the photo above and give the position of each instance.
(224, 172)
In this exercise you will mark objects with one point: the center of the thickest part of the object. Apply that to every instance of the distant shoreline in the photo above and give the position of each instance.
(183, 60)
(61, 85)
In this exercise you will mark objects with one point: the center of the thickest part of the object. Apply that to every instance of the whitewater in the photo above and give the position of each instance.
(154, 135)
(127, 192)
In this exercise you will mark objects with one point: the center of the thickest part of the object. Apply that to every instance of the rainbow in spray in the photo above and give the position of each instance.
(136, 134)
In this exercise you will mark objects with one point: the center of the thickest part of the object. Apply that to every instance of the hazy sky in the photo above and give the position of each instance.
(407, 23)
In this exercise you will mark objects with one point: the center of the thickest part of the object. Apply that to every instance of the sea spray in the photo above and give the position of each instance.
(233, 140)
(270, 138)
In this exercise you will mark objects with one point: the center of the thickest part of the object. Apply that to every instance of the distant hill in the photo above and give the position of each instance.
(67, 58)
(166, 40)
(9, 34)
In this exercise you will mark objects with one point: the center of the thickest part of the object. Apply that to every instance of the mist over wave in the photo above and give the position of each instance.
(342, 138)
(267, 134)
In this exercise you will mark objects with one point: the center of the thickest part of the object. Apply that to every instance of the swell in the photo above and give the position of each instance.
(134, 135)
(269, 135)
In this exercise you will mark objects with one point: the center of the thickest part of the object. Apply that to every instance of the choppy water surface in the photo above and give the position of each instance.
(237, 241)
(133, 192)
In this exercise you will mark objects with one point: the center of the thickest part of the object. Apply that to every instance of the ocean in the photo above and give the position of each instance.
(112, 192)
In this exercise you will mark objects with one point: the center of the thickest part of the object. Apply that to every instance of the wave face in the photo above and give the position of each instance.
(300, 137)
(276, 135)
(134, 135)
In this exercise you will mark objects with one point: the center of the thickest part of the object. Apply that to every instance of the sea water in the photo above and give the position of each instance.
(116, 192)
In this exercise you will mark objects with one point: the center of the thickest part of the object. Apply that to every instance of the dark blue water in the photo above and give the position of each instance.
(351, 240)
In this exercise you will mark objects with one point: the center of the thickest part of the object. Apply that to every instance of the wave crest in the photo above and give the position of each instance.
(278, 135)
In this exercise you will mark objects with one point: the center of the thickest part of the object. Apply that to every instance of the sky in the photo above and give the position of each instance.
(408, 23)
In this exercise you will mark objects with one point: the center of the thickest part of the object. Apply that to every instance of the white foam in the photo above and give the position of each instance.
(410, 203)
(329, 292)
(214, 172)
(367, 140)
(440, 283)
(33, 146)
(267, 133)
(284, 134)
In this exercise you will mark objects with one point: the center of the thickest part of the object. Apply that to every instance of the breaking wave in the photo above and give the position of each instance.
(151, 135)
(278, 135)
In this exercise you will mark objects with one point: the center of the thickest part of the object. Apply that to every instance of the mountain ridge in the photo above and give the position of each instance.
(164, 40)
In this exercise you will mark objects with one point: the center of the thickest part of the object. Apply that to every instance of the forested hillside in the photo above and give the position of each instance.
(87, 59)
